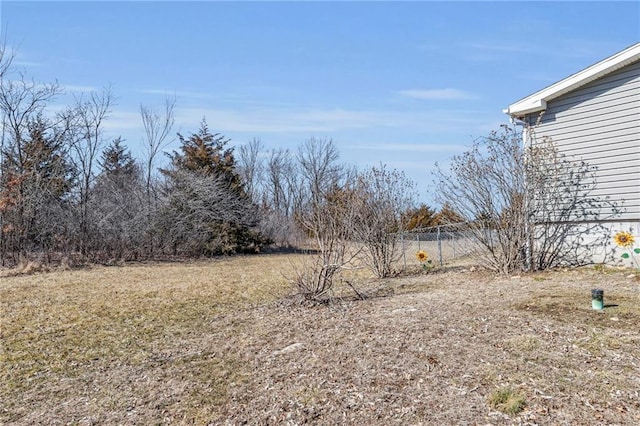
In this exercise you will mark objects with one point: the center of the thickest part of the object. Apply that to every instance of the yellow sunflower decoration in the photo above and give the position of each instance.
(422, 256)
(624, 239)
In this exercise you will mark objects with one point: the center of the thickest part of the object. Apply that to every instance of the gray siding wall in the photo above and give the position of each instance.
(599, 123)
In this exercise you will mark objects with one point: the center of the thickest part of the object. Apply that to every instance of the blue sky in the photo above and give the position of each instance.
(407, 84)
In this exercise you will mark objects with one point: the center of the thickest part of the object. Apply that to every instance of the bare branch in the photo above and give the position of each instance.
(157, 128)
(250, 167)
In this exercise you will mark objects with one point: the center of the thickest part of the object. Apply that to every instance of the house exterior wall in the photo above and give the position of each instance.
(599, 123)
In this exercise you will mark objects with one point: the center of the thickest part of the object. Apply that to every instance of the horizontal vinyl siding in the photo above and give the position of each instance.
(596, 126)
(612, 86)
(599, 124)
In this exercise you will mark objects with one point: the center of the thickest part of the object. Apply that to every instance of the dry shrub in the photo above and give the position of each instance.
(29, 266)
(521, 203)
(32, 267)
(314, 279)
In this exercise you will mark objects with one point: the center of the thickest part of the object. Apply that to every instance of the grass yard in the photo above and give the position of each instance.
(218, 342)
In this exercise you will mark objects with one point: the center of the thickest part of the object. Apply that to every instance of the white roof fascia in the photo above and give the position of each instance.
(538, 101)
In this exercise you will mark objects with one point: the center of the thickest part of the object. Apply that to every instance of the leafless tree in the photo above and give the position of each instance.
(87, 119)
(34, 191)
(330, 223)
(562, 208)
(251, 168)
(487, 188)
(320, 170)
(382, 198)
(6, 58)
(282, 174)
(521, 202)
(118, 205)
(327, 214)
(196, 205)
(157, 136)
(21, 100)
(282, 193)
(22, 103)
(157, 130)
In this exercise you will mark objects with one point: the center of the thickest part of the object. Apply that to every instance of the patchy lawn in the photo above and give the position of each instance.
(216, 343)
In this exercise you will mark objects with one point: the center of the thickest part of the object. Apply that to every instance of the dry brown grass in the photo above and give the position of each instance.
(215, 343)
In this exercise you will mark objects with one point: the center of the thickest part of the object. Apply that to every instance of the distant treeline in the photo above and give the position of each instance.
(67, 193)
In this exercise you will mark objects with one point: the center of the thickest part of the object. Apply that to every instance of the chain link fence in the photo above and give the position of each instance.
(443, 243)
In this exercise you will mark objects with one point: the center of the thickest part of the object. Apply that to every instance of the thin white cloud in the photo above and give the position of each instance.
(284, 120)
(410, 147)
(226, 99)
(27, 64)
(341, 118)
(309, 120)
(176, 93)
(80, 89)
(437, 94)
(20, 58)
(119, 120)
(563, 48)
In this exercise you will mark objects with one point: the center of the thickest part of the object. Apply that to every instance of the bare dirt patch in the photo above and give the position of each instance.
(215, 343)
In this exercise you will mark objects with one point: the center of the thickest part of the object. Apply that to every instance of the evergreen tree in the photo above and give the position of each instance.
(421, 217)
(116, 160)
(207, 209)
(36, 184)
(207, 154)
(118, 204)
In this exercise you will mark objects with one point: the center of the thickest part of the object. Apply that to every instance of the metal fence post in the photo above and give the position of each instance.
(439, 245)
(455, 246)
(404, 251)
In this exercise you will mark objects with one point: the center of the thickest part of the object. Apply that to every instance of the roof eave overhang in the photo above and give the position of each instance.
(538, 101)
(519, 110)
